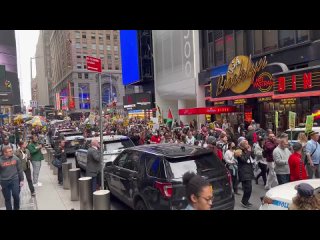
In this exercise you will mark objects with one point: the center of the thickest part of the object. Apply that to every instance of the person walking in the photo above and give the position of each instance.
(11, 178)
(61, 155)
(262, 162)
(93, 163)
(199, 192)
(245, 157)
(296, 164)
(281, 156)
(232, 165)
(269, 146)
(24, 155)
(6, 143)
(36, 157)
(313, 155)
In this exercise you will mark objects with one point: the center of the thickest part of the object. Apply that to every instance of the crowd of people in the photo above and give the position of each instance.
(247, 154)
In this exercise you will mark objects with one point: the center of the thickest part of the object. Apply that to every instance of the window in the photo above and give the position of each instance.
(79, 66)
(93, 37)
(109, 57)
(210, 36)
(78, 56)
(100, 38)
(84, 46)
(77, 40)
(286, 37)
(229, 45)
(154, 166)
(94, 55)
(102, 66)
(101, 52)
(109, 66)
(131, 161)
(270, 40)
(84, 57)
(218, 41)
(86, 75)
(108, 36)
(77, 34)
(93, 46)
(116, 57)
(117, 67)
(84, 95)
(257, 41)
(80, 75)
(85, 66)
(115, 37)
(108, 47)
(115, 48)
(302, 35)
(121, 160)
(78, 45)
(84, 35)
(100, 47)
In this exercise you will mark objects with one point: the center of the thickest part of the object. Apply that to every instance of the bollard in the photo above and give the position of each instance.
(49, 156)
(52, 157)
(85, 191)
(65, 173)
(101, 200)
(74, 175)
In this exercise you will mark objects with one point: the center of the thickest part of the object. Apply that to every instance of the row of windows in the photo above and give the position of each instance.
(109, 56)
(93, 36)
(79, 66)
(221, 46)
(94, 46)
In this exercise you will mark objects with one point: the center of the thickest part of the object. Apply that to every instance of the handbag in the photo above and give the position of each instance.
(57, 163)
(44, 151)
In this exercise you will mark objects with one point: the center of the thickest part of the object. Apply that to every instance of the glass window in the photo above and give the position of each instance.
(93, 46)
(108, 36)
(77, 34)
(154, 166)
(302, 35)
(77, 40)
(84, 46)
(93, 37)
(210, 36)
(270, 40)
(117, 67)
(108, 47)
(84, 95)
(286, 37)
(78, 45)
(239, 43)
(84, 56)
(121, 160)
(218, 43)
(78, 56)
(86, 75)
(115, 48)
(84, 35)
(115, 37)
(116, 57)
(79, 75)
(100, 47)
(109, 56)
(257, 41)
(229, 43)
(109, 66)
(79, 66)
(205, 163)
(85, 66)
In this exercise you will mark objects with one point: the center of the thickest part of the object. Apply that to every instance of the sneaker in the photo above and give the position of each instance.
(33, 194)
(39, 184)
(245, 205)
(249, 204)
(267, 188)
(35, 185)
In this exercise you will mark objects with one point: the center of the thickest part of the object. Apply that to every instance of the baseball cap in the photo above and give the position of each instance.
(305, 190)
(313, 133)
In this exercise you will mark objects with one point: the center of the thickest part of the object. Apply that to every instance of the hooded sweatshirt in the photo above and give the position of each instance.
(10, 168)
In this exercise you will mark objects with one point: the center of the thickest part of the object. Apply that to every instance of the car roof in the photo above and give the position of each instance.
(303, 129)
(171, 150)
(286, 192)
(109, 138)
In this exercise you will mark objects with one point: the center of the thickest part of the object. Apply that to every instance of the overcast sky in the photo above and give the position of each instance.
(26, 41)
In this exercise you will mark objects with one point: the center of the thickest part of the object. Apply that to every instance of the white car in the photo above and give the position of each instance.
(296, 131)
(280, 197)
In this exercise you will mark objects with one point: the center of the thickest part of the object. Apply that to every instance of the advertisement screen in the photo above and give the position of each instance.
(129, 56)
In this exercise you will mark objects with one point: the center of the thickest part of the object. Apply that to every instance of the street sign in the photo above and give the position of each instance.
(309, 123)
(292, 120)
(93, 64)
(33, 104)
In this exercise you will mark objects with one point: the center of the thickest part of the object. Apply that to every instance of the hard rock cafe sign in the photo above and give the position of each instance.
(241, 75)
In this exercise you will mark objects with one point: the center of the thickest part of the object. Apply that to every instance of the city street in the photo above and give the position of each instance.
(51, 196)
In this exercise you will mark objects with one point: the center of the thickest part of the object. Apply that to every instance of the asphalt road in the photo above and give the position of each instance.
(257, 192)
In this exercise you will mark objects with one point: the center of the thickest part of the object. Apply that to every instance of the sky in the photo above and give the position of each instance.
(26, 41)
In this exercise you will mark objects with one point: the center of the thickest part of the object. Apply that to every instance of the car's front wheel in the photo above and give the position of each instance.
(140, 205)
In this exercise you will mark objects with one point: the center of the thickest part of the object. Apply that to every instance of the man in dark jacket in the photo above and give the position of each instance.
(61, 155)
(251, 136)
(11, 178)
(93, 163)
(269, 146)
(245, 157)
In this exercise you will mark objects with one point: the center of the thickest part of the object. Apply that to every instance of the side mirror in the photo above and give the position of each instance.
(109, 164)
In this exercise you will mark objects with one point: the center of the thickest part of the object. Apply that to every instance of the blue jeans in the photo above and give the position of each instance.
(11, 187)
(283, 178)
(94, 184)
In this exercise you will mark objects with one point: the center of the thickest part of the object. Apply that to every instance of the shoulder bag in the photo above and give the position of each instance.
(306, 161)
(57, 163)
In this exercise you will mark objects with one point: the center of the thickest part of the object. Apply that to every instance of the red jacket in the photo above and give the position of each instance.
(297, 169)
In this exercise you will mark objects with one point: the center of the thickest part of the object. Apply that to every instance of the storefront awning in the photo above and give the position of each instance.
(255, 95)
(297, 95)
(207, 110)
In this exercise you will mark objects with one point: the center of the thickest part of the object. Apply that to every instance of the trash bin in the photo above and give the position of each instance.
(74, 175)
(101, 200)
(65, 173)
(85, 190)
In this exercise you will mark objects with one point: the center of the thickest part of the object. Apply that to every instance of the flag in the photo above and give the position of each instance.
(160, 119)
(170, 117)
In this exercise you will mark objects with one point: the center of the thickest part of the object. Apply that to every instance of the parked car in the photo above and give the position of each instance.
(73, 140)
(56, 134)
(113, 145)
(150, 176)
(280, 197)
(295, 132)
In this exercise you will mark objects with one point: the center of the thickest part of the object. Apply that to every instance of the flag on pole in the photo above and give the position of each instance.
(170, 117)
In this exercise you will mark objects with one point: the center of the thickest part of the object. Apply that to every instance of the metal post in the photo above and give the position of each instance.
(101, 133)
(74, 175)
(101, 200)
(52, 157)
(65, 173)
(85, 190)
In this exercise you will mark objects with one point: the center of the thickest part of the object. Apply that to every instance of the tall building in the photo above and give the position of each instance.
(34, 90)
(9, 82)
(73, 87)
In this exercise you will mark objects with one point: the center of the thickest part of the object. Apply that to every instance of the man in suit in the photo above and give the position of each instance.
(93, 163)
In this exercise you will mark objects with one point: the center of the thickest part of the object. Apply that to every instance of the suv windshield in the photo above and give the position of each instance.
(115, 145)
(196, 164)
(294, 134)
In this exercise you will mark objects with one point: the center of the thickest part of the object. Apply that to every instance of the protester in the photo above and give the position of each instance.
(190, 138)
(305, 198)
(269, 146)
(211, 144)
(24, 155)
(232, 165)
(6, 143)
(199, 192)
(296, 164)
(262, 162)
(313, 155)
(11, 178)
(61, 155)
(93, 163)
(281, 156)
(36, 157)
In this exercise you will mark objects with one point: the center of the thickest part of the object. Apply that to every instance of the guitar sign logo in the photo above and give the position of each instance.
(7, 84)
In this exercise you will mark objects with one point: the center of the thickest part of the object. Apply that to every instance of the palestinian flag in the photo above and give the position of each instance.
(170, 118)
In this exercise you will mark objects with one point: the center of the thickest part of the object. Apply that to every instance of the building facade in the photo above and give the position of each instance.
(10, 102)
(73, 87)
(176, 68)
(34, 90)
(283, 77)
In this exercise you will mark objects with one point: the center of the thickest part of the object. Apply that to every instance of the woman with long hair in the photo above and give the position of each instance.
(303, 139)
(305, 199)
(232, 165)
(262, 161)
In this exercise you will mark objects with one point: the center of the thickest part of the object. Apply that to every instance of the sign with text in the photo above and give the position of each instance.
(220, 103)
(208, 110)
(288, 101)
(264, 99)
(276, 116)
(33, 104)
(240, 101)
(292, 119)
(93, 64)
(5, 85)
(309, 123)
(137, 101)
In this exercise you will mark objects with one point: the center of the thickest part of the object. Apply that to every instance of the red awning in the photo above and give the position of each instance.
(207, 110)
(297, 95)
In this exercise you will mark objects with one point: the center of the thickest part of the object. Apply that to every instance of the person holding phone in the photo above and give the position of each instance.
(36, 157)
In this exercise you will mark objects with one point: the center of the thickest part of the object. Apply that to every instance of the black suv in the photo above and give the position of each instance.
(150, 176)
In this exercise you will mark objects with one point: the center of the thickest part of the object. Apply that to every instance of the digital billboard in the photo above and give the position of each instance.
(137, 101)
(129, 56)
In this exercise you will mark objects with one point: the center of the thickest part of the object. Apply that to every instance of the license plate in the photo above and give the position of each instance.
(74, 143)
